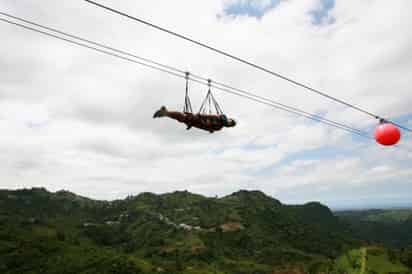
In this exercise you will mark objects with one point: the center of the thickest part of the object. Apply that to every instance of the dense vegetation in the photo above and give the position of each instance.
(180, 232)
(389, 227)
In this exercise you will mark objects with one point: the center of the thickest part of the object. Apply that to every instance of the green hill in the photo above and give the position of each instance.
(180, 232)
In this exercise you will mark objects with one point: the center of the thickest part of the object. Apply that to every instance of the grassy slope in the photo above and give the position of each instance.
(379, 262)
(364, 254)
(368, 260)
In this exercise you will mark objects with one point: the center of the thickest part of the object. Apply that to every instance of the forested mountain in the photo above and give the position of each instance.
(180, 232)
(392, 227)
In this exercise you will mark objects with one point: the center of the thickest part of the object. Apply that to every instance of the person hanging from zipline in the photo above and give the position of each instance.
(208, 122)
(204, 119)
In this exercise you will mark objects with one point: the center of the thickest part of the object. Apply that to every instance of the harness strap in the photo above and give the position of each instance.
(209, 101)
(188, 105)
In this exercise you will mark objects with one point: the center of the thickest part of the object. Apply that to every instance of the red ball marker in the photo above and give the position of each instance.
(387, 134)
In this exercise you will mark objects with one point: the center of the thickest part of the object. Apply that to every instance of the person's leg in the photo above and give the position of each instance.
(179, 116)
(163, 112)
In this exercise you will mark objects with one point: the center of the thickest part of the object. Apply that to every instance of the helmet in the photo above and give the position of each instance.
(231, 123)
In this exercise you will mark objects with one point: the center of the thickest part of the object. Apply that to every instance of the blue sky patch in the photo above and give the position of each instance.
(321, 15)
(258, 8)
(253, 8)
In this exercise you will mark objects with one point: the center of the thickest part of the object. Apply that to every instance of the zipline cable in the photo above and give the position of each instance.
(259, 67)
(297, 112)
(219, 85)
(89, 47)
(175, 70)
(89, 41)
(228, 89)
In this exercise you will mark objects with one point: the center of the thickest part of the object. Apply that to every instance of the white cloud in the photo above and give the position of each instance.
(71, 118)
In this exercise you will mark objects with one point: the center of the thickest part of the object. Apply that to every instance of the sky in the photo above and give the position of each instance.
(78, 120)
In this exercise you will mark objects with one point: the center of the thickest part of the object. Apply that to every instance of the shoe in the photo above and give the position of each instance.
(160, 113)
